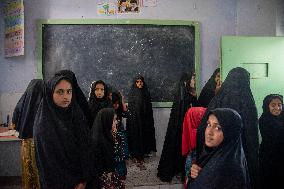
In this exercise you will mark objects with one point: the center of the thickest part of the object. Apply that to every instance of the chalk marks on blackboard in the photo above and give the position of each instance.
(116, 53)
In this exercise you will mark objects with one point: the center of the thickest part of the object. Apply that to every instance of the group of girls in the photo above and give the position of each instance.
(140, 130)
(69, 142)
(172, 161)
(219, 137)
(63, 145)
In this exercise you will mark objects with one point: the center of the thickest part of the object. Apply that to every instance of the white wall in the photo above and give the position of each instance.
(217, 18)
(280, 18)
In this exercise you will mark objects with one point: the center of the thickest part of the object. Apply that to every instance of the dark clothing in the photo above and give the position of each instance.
(140, 123)
(116, 98)
(172, 162)
(26, 108)
(79, 95)
(120, 150)
(62, 142)
(104, 144)
(271, 152)
(17, 110)
(96, 104)
(235, 93)
(121, 143)
(103, 139)
(208, 91)
(224, 166)
(23, 117)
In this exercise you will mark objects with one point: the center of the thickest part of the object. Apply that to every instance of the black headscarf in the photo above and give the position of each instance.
(26, 108)
(235, 93)
(208, 91)
(271, 153)
(140, 123)
(62, 142)
(172, 162)
(116, 97)
(225, 166)
(79, 95)
(96, 104)
(103, 140)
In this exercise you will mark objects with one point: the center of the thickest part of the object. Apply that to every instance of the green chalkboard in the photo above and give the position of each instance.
(117, 50)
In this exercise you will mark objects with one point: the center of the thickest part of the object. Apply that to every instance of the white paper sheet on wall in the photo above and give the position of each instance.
(149, 3)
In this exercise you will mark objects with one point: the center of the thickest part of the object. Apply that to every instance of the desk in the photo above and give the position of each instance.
(10, 156)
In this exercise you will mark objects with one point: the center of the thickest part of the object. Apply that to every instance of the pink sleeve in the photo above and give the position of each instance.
(185, 136)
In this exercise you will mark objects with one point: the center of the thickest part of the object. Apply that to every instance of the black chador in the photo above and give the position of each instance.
(62, 141)
(95, 103)
(140, 123)
(235, 93)
(223, 166)
(79, 95)
(172, 162)
(208, 91)
(271, 152)
(26, 108)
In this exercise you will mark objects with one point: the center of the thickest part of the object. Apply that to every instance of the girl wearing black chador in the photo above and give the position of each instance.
(98, 98)
(271, 152)
(140, 123)
(172, 162)
(23, 118)
(79, 95)
(222, 163)
(210, 89)
(63, 144)
(235, 93)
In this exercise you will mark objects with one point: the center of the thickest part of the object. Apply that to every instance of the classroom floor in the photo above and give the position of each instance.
(136, 178)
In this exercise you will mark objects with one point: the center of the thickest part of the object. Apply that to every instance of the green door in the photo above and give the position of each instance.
(263, 57)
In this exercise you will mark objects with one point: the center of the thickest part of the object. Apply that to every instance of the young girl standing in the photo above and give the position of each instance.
(271, 153)
(23, 118)
(222, 163)
(172, 161)
(104, 134)
(98, 98)
(62, 140)
(121, 143)
(140, 123)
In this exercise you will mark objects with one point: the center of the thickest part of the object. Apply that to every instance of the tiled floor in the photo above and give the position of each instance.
(136, 178)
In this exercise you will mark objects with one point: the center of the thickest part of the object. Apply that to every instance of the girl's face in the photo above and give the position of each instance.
(139, 83)
(275, 107)
(217, 77)
(192, 81)
(62, 94)
(100, 90)
(115, 105)
(213, 133)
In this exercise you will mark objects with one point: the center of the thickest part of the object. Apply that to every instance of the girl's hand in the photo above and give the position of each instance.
(194, 170)
(124, 106)
(81, 185)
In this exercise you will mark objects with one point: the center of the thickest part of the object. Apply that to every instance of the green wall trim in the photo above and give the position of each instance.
(120, 21)
(162, 104)
(40, 24)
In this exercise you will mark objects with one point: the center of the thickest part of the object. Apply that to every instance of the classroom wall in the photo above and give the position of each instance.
(280, 18)
(217, 18)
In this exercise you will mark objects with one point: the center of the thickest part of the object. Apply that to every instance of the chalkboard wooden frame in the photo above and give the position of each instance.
(196, 25)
